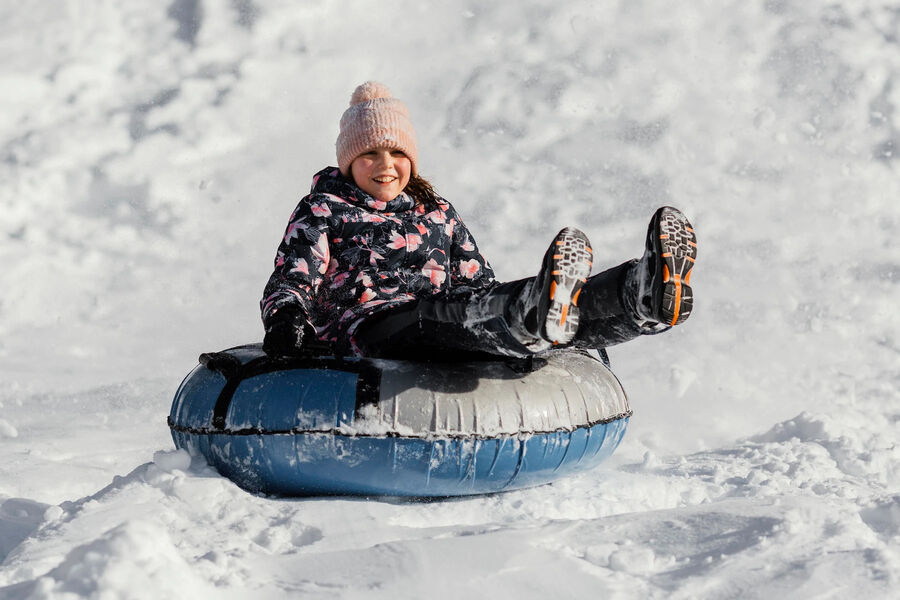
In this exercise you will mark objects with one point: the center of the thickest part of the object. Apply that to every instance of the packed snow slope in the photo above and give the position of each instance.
(150, 155)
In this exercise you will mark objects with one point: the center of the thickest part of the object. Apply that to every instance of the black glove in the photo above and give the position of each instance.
(287, 330)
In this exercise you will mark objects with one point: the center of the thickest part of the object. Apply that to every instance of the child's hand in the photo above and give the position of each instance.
(286, 333)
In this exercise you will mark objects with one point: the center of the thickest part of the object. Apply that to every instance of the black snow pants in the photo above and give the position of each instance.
(478, 326)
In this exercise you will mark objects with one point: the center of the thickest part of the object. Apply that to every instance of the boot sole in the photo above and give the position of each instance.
(569, 267)
(677, 248)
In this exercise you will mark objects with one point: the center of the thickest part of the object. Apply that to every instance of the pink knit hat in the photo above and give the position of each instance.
(375, 118)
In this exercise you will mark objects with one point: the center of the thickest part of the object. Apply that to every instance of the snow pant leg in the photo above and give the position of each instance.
(445, 328)
(603, 319)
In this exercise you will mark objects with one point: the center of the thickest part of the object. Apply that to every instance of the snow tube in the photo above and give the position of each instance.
(323, 425)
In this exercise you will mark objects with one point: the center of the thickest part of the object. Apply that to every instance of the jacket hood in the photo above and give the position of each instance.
(330, 181)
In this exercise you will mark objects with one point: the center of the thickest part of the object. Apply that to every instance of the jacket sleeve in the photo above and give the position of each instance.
(469, 269)
(302, 259)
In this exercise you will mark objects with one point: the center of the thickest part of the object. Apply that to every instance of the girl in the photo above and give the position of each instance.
(375, 263)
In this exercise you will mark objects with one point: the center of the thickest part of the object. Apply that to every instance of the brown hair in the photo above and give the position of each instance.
(421, 190)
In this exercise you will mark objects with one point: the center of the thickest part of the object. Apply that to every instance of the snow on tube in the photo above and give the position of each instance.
(322, 425)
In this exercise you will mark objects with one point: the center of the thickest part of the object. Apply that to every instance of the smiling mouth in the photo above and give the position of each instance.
(384, 179)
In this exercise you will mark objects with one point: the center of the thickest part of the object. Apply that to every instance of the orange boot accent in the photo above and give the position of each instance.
(677, 300)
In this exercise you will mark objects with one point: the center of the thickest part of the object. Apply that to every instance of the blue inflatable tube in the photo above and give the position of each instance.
(321, 426)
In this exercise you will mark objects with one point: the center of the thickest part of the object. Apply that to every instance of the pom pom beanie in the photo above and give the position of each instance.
(374, 119)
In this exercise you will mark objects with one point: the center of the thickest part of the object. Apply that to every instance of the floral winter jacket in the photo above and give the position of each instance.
(346, 256)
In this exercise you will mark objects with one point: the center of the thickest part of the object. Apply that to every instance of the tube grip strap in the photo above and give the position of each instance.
(235, 372)
(220, 362)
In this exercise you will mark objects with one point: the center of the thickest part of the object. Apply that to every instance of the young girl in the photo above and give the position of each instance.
(375, 263)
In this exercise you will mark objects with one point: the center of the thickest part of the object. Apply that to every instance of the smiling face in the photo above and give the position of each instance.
(381, 172)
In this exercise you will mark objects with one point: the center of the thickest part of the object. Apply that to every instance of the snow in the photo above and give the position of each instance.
(150, 156)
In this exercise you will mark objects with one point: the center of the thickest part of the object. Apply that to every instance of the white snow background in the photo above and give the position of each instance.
(151, 153)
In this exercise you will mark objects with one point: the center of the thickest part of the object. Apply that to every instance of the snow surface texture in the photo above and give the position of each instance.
(150, 156)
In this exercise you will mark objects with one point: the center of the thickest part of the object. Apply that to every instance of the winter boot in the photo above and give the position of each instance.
(657, 288)
(547, 311)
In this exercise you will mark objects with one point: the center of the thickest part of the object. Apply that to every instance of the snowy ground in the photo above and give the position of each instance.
(150, 156)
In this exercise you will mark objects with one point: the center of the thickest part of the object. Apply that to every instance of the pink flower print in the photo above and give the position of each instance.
(365, 279)
(320, 252)
(374, 257)
(468, 246)
(410, 241)
(422, 228)
(372, 218)
(397, 241)
(435, 272)
(469, 268)
(301, 266)
(367, 295)
(269, 302)
(293, 228)
(339, 280)
(437, 216)
(378, 204)
(448, 228)
(279, 259)
(390, 291)
(320, 210)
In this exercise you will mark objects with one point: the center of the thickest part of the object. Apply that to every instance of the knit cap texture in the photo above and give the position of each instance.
(375, 119)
